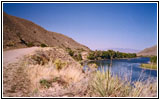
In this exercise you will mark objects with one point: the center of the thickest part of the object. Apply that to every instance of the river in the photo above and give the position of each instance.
(127, 68)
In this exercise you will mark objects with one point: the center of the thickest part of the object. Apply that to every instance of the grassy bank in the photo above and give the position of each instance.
(149, 66)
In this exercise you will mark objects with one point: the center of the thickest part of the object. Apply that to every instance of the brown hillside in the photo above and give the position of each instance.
(18, 32)
(152, 51)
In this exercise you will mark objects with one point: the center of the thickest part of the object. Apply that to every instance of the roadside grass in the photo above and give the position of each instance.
(105, 85)
(43, 70)
(149, 66)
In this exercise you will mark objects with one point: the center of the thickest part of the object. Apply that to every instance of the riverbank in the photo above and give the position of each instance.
(51, 72)
(87, 60)
(149, 66)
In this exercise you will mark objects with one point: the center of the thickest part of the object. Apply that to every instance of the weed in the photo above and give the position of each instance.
(43, 45)
(45, 83)
(59, 64)
(30, 44)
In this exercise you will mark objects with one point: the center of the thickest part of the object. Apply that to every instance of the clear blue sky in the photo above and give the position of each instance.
(98, 26)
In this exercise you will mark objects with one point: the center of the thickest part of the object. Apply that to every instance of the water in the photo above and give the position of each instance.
(127, 68)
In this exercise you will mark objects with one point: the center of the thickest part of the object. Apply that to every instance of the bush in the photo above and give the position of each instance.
(40, 58)
(10, 43)
(30, 44)
(70, 52)
(78, 57)
(43, 45)
(59, 64)
(106, 85)
(74, 55)
(45, 83)
(153, 59)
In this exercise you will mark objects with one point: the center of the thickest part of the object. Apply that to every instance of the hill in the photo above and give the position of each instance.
(18, 33)
(152, 51)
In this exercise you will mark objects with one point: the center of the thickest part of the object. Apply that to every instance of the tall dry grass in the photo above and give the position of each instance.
(105, 85)
(43, 68)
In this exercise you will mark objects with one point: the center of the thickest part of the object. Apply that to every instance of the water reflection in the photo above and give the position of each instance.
(129, 68)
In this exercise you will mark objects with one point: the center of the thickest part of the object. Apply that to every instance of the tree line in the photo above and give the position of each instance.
(153, 59)
(110, 54)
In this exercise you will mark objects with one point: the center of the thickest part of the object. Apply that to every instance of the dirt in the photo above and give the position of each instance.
(15, 83)
(12, 56)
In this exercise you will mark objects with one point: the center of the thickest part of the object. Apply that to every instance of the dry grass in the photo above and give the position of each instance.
(47, 69)
(105, 85)
(62, 76)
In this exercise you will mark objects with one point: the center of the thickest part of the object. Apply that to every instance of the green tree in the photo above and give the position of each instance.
(153, 59)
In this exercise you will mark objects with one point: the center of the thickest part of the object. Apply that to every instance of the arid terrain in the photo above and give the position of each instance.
(22, 73)
(152, 51)
(18, 33)
(22, 38)
(39, 63)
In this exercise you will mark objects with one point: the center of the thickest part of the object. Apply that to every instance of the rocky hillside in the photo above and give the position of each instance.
(18, 32)
(152, 51)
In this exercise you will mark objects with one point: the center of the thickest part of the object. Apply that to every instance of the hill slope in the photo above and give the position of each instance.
(18, 32)
(152, 51)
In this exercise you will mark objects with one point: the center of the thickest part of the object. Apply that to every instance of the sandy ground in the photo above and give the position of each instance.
(15, 83)
(12, 56)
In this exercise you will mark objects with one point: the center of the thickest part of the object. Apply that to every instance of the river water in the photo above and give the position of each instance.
(127, 68)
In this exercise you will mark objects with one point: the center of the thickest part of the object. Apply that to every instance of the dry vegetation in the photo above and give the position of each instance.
(105, 85)
(52, 72)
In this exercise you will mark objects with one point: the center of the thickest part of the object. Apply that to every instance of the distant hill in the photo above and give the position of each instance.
(18, 33)
(152, 51)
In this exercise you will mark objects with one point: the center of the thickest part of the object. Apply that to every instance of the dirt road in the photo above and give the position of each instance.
(12, 56)
(15, 82)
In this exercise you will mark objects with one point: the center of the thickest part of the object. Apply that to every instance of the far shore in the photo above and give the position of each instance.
(87, 60)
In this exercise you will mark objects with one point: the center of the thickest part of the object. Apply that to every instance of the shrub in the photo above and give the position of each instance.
(40, 57)
(45, 83)
(10, 43)
(43, 45)
(59, 64)
(153, 59)
(105, 85)
(78, 57)
(70, 52)
(30, 44)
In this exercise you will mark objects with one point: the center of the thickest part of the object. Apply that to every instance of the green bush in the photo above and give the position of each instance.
(70, 52)
(45, 83)
(78, 57)
(30, 44)
(153, 59)
(43, 45)
(74, 55)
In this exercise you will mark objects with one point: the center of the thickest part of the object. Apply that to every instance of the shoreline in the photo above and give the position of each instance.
(108, 59)
(143, 66)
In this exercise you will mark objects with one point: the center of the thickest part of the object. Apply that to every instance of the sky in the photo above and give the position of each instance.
(96, 25)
